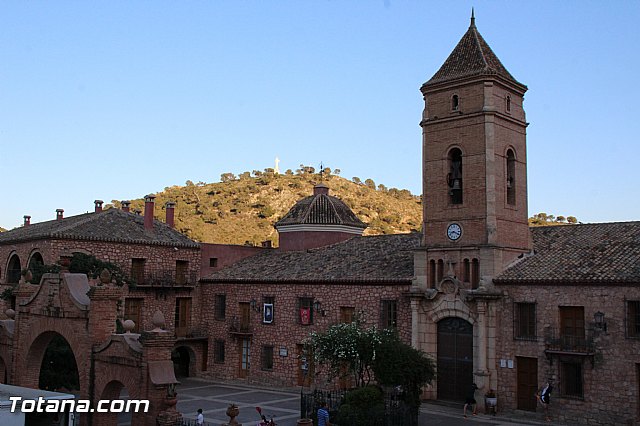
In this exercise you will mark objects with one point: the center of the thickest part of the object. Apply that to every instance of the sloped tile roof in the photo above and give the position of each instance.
(590, 253)
(472, 56)
(321, 209)
(110, 225)
(380, 258)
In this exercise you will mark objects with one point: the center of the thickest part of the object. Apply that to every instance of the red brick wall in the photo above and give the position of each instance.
(611, 387)
(285, 332)
(225, 255)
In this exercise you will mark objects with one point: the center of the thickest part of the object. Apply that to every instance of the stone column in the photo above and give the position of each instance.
(415, 323)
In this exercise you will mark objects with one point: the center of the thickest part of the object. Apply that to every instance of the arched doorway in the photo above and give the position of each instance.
(182, 361)
(455, 358)
(13, 269)
(58, 370)
(115, 390)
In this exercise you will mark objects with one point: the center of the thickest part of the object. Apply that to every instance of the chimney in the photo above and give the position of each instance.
(170, 210)
(321, 188)
(98, 204)
(126, 206)
(149, 201)
(137, 212)
(27, 220)
(59, 214)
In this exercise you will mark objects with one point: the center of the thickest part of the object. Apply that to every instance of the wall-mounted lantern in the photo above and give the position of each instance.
(599, 321)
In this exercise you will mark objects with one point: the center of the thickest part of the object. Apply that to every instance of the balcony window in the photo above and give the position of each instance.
(182, 268)
(137, 270)
(305, 310)
(183, 315)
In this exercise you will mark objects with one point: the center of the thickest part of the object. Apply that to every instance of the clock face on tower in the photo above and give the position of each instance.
(454, 231)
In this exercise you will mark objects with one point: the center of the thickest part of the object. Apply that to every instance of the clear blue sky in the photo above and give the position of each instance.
(117, 99)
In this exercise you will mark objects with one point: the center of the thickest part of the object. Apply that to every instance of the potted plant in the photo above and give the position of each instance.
(490, 398)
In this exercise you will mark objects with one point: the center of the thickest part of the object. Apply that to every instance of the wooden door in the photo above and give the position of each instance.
(183, 316)
(245, 317)
(572, 327)
(527, 377)
(305, 367)
(245, 357)
(455, 358)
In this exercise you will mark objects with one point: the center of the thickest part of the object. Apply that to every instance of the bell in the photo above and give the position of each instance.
(456, 185)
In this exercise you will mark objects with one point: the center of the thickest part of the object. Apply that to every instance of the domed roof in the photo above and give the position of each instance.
(321, 209)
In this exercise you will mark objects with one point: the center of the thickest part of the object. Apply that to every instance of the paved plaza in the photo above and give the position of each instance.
(284, 405)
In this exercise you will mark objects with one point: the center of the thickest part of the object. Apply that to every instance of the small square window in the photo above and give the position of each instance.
(213, 262)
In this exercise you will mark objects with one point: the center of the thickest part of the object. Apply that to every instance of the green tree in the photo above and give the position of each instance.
(227, 177)
(370, 183)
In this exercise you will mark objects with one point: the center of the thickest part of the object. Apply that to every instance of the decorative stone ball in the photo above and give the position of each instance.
(105, 276)
(128, 325)
(158, 320)
(10, 313)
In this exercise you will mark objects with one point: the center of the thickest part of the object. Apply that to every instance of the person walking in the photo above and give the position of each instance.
(470, 400)
(200, 417)
(544, 396)
(323, 415)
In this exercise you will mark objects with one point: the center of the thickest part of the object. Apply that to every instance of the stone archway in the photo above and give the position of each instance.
(115, 389)
(455, 358)
(184, 361)
(39, 352)
(14, 269)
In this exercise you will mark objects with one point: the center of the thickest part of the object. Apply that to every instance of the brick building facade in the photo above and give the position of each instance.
(498, 303)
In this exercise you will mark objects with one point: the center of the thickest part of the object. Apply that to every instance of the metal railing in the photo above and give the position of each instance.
(555, 340)
(168, 279)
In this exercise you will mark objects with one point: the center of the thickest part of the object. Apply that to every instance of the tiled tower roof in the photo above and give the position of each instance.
(471, 57)
(321, 209)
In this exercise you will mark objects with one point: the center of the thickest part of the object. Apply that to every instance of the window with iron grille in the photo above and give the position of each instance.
(305, 310)
(218, 351)
(220, 308)
(524, 321)
(347, 314)
(571, 379)
(267, 358)
(133, 312)
(633, 318)
(137, 270)
(389, 314)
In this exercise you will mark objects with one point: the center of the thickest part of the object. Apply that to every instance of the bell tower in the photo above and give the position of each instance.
(474, 167)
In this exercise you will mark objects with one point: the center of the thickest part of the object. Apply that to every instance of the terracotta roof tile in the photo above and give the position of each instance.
(113, 225)
(381, 258)
(321, 209)
(472, 56)
(590, 253)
